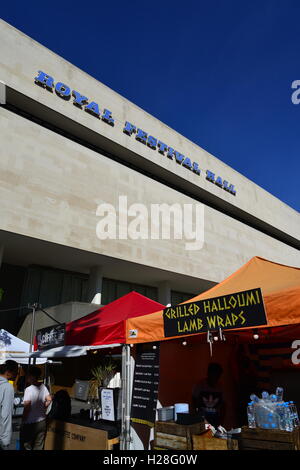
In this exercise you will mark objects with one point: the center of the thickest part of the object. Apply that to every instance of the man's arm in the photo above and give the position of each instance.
(6, 416)
(48, 400)
(27, 404)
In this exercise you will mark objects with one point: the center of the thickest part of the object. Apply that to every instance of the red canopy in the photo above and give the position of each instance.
(107, 324)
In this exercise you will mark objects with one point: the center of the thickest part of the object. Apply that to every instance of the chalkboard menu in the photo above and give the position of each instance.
(237, 310)
(145, 385)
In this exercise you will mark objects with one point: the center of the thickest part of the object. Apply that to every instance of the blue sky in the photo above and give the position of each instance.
(217, 71)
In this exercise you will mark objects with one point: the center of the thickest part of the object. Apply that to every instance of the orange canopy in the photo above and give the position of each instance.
(280, 287)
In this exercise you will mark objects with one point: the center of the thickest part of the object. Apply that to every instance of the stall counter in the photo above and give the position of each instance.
(81, 434)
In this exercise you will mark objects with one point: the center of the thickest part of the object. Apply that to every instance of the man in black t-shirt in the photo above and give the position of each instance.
(208, 396)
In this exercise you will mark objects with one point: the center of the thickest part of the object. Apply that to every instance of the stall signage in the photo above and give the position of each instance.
(51, 337)
(66, 93)
(145, 386)
(107, 404)
(238, 310)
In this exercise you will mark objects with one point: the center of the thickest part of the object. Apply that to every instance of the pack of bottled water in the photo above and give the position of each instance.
(271, 412)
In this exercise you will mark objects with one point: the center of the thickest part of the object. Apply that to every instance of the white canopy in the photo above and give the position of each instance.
(15, 349)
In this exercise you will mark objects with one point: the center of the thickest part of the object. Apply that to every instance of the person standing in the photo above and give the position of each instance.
(208, 398)
(8, 371)
(36, 401)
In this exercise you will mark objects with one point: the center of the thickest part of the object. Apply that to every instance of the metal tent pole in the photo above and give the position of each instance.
(33, 307)
(123, 381)
(125, 437)
(128, 399)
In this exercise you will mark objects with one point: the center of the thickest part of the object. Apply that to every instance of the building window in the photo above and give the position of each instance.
(112, 290)
(179, 297)
(51, 287)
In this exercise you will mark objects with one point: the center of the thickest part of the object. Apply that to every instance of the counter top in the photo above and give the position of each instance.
(113, 429)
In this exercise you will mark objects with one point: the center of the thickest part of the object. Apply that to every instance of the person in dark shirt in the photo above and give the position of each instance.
(207, 396)
(61, 406)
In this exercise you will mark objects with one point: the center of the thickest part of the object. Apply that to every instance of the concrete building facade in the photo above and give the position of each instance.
(69, 144)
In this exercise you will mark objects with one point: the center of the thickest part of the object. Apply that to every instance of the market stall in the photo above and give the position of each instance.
(98, 335)
(257, 307)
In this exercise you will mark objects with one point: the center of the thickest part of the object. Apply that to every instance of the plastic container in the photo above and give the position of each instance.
(265, 396)
(288, 418)
(294, 412)
(251, 415)
(281, 416)
(166, 413)
(279, 394)
(254, 398)
(181, 408)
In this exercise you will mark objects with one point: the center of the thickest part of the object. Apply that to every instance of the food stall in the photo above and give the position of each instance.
(268, 296)
(99, 334)
(258, 305)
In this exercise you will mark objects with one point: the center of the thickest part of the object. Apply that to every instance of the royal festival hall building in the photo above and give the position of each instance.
(69, 146)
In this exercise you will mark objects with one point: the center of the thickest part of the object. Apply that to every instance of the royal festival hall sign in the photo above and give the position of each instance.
(66, 93)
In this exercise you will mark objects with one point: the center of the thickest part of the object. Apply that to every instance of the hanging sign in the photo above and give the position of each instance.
(51, 337)
(238, 310)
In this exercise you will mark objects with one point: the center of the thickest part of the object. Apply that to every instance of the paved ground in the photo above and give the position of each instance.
(77, 405)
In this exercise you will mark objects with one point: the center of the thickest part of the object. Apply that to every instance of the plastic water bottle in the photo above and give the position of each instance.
(281, 416)
(254, 398)
(279, 394)
(288, 418)
(251, 415)
(294, 414)
(297, 423)
(291, 412)
(263, 415)
(265, 396)
(272, 421)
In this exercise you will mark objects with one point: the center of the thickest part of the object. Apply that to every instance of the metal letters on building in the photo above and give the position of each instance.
(64, 92)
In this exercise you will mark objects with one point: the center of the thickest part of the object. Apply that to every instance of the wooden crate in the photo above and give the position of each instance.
(206, 441)
(172, 436)
(265, 439)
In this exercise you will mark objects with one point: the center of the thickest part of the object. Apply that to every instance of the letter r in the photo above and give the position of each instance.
(44, 80)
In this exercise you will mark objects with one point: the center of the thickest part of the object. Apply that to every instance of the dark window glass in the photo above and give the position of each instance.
(179, 297)
(112, 290)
